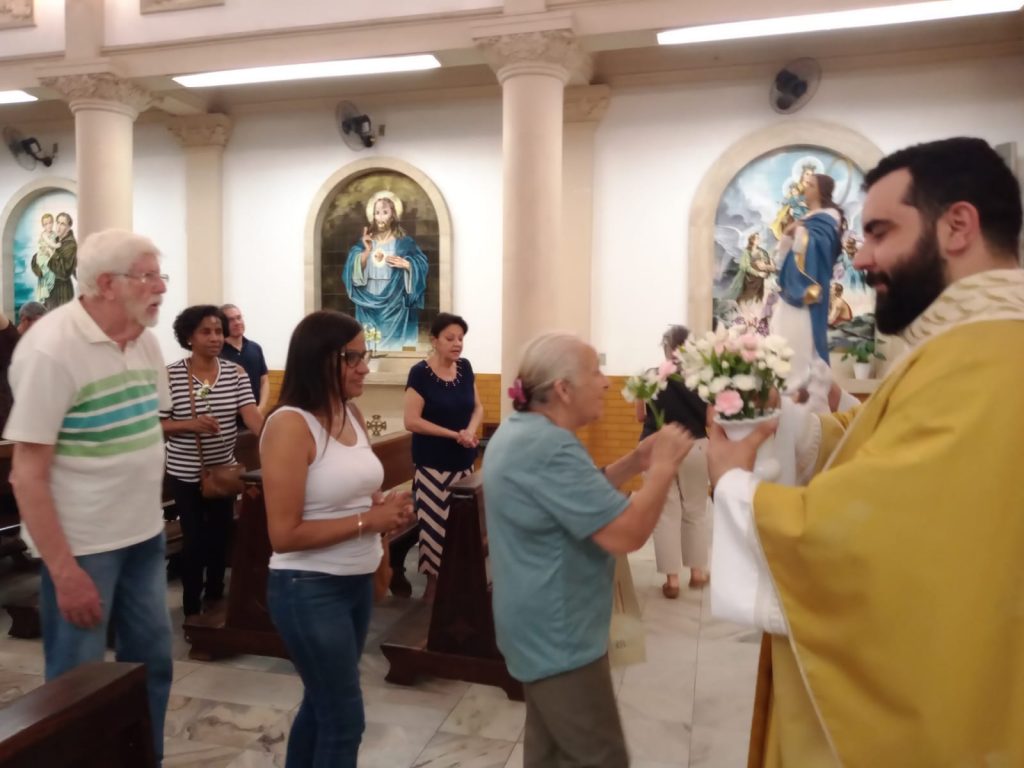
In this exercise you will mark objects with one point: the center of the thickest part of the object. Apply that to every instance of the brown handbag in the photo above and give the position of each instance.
(221, 481)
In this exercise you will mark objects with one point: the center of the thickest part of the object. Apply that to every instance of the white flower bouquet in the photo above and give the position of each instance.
(735, 371)
(646, 386)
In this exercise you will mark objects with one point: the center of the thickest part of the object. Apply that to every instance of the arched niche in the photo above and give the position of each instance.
(321, 209)
(701, 251)
(9, 219)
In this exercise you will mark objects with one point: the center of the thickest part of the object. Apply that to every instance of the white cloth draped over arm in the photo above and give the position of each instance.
(742, 590)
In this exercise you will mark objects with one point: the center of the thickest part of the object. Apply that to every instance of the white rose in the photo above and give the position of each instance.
(692, 380)
(745, 382)
(706, 375)
(703, 392)
(704, 346)
(627, 395)
(719, 383)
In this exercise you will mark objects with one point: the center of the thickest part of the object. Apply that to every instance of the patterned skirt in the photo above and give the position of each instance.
(430, 489)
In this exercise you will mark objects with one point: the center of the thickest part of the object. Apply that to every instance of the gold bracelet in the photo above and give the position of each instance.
(359, 525)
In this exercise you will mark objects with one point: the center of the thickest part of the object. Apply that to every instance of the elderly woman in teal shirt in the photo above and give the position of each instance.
(555, 522)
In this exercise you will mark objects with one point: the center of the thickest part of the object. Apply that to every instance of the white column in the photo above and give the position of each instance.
(584, 107)
(203, 138)
(105, 107)
(533, 69)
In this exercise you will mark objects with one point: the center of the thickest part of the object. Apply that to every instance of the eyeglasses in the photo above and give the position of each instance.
(145, 278)
(353, 358)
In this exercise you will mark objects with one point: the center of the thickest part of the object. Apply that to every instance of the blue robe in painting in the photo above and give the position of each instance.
(823, 246)
(387, 298)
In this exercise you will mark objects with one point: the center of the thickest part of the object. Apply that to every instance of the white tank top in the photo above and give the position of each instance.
(340, 483)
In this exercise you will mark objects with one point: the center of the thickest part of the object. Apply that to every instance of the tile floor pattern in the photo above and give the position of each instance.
(688, 706)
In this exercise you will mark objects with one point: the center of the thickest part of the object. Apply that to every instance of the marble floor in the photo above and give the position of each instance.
(689, 704)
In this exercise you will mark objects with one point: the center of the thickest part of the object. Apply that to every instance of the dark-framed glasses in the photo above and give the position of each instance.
(146, 278)
(353, 357)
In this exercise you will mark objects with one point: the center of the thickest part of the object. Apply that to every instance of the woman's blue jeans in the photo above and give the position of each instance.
(323, 620)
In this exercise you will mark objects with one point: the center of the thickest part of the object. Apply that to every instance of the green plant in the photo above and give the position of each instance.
(863, 351)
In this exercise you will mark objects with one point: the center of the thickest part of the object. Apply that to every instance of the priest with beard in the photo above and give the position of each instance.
(887, 573)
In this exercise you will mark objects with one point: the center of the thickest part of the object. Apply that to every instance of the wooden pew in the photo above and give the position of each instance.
(455, 639)
(95, 716)
(245, 625)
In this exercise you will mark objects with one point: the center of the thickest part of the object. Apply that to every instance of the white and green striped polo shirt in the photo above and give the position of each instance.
(75, 389)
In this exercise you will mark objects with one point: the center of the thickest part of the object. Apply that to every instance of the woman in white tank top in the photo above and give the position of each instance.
(325, 516)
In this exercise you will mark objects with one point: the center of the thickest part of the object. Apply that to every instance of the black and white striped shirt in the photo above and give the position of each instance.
(222, 399)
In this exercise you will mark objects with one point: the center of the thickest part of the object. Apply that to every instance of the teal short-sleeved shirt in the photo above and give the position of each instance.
(544, 499)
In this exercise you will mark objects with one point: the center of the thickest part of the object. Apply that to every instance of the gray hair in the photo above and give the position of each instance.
(548, 358)
(109, 252)
(31, 310)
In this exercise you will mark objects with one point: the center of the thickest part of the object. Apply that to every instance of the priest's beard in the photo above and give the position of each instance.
(911, 287)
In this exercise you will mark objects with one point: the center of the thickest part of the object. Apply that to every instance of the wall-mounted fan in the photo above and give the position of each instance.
(27, 151)
(355, 127)
(794, 85)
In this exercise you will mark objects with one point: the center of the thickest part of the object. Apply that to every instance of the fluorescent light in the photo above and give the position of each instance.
(309, 71)
(16, 97)
(819, 22)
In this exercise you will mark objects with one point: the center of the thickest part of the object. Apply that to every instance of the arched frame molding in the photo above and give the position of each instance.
(8, 220)
(317, 210)
(701, 251)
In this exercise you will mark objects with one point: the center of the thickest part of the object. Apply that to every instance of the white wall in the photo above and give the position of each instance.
(126, 26)
(275, 164)
(159, 214)
(655, 145)
(47, 36)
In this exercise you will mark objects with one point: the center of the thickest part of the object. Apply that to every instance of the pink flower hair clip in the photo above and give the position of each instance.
(517, 393)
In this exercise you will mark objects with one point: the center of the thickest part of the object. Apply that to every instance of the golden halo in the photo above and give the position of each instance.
(395, 201)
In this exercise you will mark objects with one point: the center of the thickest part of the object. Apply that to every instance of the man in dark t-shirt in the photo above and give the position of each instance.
(248, 354)
(9, 336)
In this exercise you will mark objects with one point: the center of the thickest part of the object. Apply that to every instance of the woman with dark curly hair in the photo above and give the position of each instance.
(222, 393)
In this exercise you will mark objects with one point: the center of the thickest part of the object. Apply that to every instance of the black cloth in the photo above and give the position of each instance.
(679, 405)
(8, 338)
(205, 529)
(448, 404)
(250, 357)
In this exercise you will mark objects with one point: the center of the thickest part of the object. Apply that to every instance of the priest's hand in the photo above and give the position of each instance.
(725, 454)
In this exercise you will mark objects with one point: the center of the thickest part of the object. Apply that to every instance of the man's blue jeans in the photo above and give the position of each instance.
(323, 620)
(132, 583)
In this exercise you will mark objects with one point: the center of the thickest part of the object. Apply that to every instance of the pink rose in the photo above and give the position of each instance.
(749, 341)
(748, 355)
(666, 369)
(719, 348)
(728, 402)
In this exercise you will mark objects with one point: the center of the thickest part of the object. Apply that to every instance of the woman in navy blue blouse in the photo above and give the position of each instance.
(443, 411)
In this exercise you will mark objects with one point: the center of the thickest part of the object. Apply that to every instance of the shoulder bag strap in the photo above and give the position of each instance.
(192, 403)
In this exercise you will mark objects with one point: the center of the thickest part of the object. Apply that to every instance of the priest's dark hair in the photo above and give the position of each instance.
(960, 169)
(315, 364)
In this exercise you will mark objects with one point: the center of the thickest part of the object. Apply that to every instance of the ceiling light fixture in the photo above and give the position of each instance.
(821, 22)
(309, 71)
(16, 97)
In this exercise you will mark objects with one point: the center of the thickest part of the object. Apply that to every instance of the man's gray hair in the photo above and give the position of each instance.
(548, 358)
(31, 310)
(111, 251)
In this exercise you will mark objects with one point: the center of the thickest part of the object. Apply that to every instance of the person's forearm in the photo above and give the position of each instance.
(39, 515)
(176, 426)
(621, 471)
(421, 426)
(264, 395)
(317, 534)
(477, 418)
(646, 504)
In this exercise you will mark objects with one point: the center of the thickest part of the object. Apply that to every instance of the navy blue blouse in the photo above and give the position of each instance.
(448, 404)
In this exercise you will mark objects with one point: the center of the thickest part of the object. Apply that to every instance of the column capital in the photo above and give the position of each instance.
(100, 90)
(553, 52)
(586, 103)
(210, 130)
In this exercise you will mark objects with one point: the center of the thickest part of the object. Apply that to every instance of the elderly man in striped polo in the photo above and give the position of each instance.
(88, 383)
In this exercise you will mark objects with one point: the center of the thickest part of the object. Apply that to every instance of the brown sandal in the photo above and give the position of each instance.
(669, 591)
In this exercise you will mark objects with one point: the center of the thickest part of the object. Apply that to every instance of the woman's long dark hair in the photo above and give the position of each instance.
(312, 372)
(826, 188)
